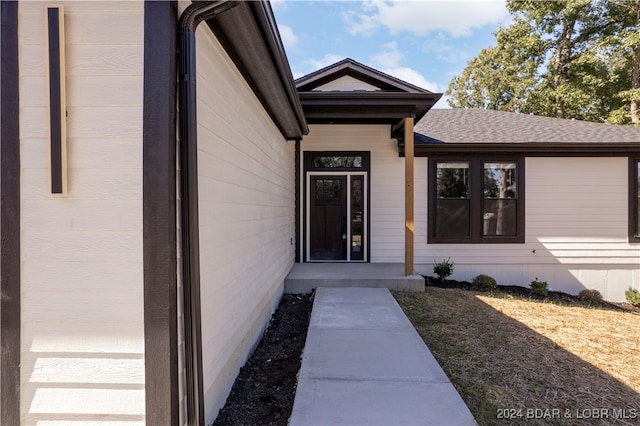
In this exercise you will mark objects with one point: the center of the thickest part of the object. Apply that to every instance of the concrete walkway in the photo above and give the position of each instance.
(365, 364)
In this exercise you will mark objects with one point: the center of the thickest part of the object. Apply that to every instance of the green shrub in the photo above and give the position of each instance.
(590, 295)
(633, 296)
(484, 283)
(541, 288)
(443, 269)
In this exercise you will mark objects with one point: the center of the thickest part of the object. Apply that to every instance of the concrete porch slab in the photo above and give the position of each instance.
(304, 277)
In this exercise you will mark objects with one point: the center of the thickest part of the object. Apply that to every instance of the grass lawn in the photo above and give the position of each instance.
(531, 361)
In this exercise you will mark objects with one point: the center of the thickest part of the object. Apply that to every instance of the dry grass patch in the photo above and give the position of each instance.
(502, 352)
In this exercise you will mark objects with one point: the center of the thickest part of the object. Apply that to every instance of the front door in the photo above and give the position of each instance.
(337, 216)
(328, 217)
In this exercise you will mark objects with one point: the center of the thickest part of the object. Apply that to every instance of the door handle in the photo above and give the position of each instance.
(344, 236)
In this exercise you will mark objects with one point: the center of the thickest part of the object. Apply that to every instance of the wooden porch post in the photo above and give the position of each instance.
(408, 196)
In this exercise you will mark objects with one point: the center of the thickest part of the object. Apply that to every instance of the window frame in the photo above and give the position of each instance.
(634, 200)
(476, 200)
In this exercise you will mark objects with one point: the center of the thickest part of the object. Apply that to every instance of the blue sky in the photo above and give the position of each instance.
(423, 42)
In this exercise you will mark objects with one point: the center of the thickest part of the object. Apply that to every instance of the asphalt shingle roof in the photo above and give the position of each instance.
(488, 126)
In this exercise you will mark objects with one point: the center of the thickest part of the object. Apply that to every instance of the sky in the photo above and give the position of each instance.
(424, 42)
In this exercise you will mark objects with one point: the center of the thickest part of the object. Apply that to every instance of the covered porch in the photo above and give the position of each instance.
(304, 277)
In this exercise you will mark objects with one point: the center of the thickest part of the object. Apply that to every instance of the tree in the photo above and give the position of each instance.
(500, 77)
(623, 47)
(563, 58)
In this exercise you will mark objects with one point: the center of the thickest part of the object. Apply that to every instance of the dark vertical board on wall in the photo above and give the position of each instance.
(56, 98)
(297, 201)
(9, 217)
(159, 213)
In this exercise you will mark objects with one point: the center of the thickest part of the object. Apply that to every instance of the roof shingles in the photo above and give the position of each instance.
(489, 126)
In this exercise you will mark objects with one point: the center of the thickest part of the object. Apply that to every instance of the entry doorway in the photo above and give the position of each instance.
(336, 216)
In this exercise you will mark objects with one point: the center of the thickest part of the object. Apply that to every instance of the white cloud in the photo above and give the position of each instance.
(288, 36)
(312, 65)
(389, 57)
(326, 60)
(444, 51)
(457, 17)
(411, 76)
(389, 61)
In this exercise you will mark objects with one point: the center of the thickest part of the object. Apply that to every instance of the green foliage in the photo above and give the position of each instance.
(633, 296)
(443, 269)
(541, 288)
(484, 282)
(590, 295)
(567, 59)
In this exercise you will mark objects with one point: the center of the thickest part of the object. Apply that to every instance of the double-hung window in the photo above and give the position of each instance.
(476, 200)
(634, 200)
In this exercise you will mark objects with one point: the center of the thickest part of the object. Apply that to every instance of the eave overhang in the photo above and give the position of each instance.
(248, 33)
(366, 107)
(529, 149)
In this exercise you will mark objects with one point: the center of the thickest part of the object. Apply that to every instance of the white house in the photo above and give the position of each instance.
(153, 204)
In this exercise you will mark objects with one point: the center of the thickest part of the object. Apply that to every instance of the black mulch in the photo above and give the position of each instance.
(265, 388)
(264, 391)
(553, 296)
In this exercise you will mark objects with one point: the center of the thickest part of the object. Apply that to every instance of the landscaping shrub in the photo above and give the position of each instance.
(443, 269)
(541, 288)
(590, 295)
(633, 296)
(484, 283)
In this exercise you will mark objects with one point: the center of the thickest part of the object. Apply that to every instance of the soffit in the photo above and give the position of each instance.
(248, 32)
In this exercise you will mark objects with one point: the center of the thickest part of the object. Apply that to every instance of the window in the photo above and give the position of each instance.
(634, 200)
(335, 160)
(477, 200)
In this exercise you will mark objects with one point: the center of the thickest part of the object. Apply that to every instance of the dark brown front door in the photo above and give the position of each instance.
(328, 217)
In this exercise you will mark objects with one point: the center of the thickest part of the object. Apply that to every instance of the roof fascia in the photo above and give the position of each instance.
(250, 37)
(530, 149)
(366, 107)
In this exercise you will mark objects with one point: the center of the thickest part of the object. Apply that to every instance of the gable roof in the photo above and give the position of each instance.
(391, 104)
(352, 68)
(478, 130)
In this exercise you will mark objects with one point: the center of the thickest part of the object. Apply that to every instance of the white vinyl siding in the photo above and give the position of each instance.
(247, 223)
(345, 84)
(81, 254)
(576, 211)
(576, 232)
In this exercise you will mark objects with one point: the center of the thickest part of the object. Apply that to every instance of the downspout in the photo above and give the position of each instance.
(188, 128)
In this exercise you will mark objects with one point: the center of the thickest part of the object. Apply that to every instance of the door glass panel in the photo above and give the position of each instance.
(357, 218)
(319, 189)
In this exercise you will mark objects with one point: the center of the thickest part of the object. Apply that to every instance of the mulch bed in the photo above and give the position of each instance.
(264, 391)
(519, 291)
